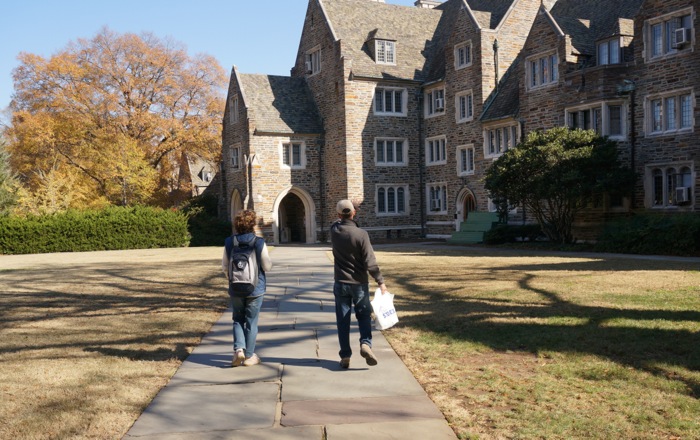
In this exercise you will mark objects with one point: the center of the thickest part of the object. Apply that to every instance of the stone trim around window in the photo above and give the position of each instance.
(392, 200)
(463, 55)
(465, 160)
(390, 152)
(292, 155)
(436, 198)
(390, 101)
(664, 38)
(669, 185)
(669, 113)
(436, 150)
(607, 118)
(312, 61)
(541, 70)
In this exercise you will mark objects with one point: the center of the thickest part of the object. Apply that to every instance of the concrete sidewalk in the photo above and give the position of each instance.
(299, 390)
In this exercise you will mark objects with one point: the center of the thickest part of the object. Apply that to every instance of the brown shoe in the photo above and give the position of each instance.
(253, 360)
(366, 352)
(238, 358)
(345, 363)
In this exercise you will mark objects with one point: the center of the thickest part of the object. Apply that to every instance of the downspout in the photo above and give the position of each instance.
(633, 141)
(495, 62)
(421, 164)
(321, 184)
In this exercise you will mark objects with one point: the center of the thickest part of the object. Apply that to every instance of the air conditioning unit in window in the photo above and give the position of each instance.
(682, 194)
(309, 67)
(682, 37)
(439, 104)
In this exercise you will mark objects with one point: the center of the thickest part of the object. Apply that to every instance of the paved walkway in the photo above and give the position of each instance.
(299, 391)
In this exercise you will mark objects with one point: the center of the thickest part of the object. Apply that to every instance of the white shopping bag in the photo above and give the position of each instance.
(384, 312)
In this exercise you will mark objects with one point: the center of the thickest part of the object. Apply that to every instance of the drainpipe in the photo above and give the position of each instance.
(421, 163)
(495, 62)
(633, 142)
(321, 192)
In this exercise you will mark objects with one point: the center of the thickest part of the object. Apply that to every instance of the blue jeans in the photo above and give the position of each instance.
(346, 296)
(245, 322)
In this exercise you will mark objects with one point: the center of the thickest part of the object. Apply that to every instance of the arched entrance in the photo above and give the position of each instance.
(466, 203)
(294, 217)
(292, 220)
(236, 203)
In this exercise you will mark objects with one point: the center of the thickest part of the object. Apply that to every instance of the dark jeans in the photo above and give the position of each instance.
(245, 322)
(346, 296)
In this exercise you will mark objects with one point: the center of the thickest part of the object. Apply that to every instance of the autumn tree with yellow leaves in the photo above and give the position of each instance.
(110, 119)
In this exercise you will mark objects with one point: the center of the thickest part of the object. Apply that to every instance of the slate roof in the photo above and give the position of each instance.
(591, 20)
(489, 13)
(413, 29)
(280, 104)
(505, 102)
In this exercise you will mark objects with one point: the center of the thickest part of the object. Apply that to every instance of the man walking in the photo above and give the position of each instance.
(354, 259)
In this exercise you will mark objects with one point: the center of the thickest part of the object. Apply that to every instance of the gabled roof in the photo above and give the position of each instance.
(489, 13)
(280, 104)
(505, 101)
(589, 21)
(413, 29)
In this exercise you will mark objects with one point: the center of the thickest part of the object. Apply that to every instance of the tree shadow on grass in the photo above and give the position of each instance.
(551, 323)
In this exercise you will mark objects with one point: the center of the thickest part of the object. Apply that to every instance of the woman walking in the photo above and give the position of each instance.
(246, 307)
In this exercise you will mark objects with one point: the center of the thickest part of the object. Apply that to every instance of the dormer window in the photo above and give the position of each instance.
(609, 52)
(385, 52)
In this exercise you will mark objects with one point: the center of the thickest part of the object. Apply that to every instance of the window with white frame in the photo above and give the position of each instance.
(463, 55)
(435, 102)
(669, 185)
(293, 155)
(235, 153)
(670, 112)
(390, 101)
(313, 61)
(499, 139)
(390, 151)
(233, 109)
(542, 70)
(609, 51)
(465, 160)
(669, 34)
(464, 103)
(605, 118)
(437, 198)
(392, 199)
(385, 51)
(436, 150)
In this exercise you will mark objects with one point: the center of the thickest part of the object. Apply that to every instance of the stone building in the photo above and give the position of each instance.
(402, 109)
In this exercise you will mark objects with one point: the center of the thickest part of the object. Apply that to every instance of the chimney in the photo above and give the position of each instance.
(427, 4)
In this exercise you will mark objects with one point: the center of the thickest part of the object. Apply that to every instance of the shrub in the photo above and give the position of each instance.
(204, 225)
(511, 233)
(677, 234)
(107, 229)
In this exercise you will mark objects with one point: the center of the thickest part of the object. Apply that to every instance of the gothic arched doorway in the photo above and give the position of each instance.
(292, 220)
(236, 203)
(466, 203)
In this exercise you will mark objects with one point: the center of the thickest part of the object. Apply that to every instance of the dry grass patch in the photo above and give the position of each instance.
(518, 345)
(84, 347)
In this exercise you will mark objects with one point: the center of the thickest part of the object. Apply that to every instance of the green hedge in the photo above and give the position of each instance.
(653, 234)
(205, 227)
(501, 233)
(108, 229)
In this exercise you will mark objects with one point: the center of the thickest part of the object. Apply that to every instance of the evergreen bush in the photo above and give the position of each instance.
(501, 233)
(112, 228)
(677, 234)
(205, 227)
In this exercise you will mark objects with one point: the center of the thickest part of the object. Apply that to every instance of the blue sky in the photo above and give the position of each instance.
(258, 36)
